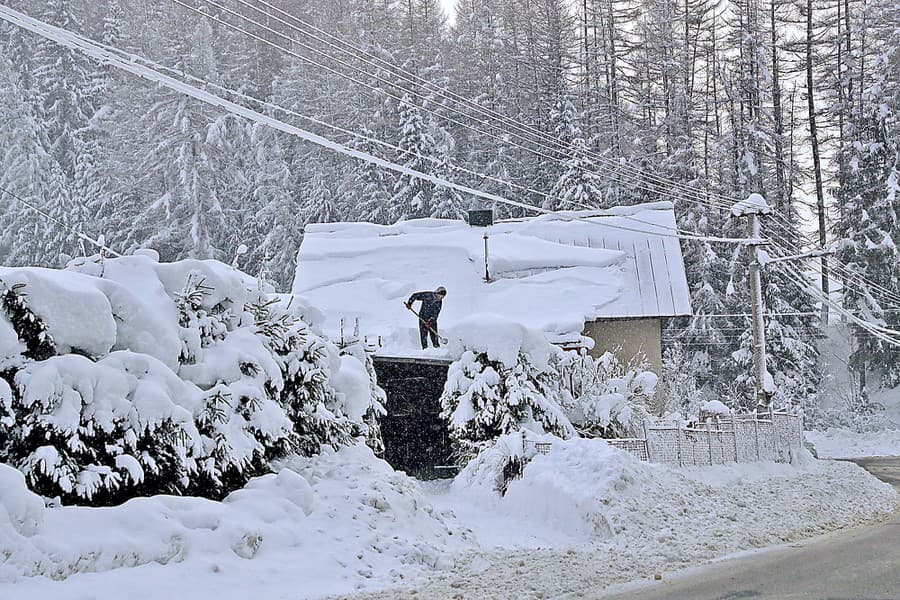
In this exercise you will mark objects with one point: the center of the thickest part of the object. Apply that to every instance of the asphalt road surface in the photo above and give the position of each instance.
(862, 563)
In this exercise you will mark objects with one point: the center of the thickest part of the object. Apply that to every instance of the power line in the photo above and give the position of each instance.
(91, 49)
(78, 233)
(641, 178)
(373, 60)
(888, 336)
(376, 141)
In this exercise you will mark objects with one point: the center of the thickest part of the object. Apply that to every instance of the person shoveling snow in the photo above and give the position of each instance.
(428, 314)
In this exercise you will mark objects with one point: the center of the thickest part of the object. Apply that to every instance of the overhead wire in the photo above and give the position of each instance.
(696, 196)
(75, 41)
(377, 62)
(77, 232)
(557, 144)
(387, 145)
(641, 179)
(886, 335)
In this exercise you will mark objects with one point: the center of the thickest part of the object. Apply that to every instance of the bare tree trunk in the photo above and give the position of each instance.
(587, 72)
(613, 79)
(817, 162)
(780, 196)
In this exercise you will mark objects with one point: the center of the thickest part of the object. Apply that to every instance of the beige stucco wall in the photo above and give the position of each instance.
(628, 338)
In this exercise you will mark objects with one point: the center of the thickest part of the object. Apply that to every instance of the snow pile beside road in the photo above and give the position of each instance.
(600, 492)
(843, 443)
(582, 517)
(600, 517)
(323, 525)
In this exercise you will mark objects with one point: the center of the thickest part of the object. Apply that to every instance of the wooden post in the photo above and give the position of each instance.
(678, 432)
(709, 442)
(647, 441)
(735, 437)
(487, 272)
(756, 433)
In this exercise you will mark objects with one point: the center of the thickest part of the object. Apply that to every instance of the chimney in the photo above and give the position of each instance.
(481, 217)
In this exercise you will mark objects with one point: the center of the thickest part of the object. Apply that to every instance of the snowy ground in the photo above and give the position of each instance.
(583, 516)
(842, 443)
(882, 440)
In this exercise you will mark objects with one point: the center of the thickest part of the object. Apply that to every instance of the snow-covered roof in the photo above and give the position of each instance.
(552, 272)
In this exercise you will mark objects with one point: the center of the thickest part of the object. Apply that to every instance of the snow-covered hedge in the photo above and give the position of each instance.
(510, 378)
(124, 377)
(605, 398)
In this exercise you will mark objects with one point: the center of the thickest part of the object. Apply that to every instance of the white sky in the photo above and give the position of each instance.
(448, 5)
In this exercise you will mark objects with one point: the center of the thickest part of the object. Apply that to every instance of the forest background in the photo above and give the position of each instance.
(558, 103)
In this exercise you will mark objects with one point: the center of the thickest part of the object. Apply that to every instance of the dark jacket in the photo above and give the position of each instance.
(431, 305)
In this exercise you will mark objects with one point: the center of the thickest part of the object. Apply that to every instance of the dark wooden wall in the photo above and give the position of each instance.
(416, 439)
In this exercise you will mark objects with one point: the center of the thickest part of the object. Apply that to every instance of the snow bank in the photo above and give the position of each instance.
(324, 525)
(20, 509)
(843, 443)
(501, 339)
(586, 516)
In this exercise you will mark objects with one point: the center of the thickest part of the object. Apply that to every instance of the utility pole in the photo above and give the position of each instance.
(754, 206)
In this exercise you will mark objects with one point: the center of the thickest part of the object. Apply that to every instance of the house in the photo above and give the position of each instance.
(603, 280)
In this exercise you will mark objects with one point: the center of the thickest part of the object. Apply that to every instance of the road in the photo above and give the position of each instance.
(862, 563)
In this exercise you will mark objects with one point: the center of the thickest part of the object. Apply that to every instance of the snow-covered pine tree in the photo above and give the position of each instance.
(447, 202)
(413, 197)
(240, 417)
(869, 227)
(373, 187)
(306, 394)
(29, 170)
(579, 186)
(484, 399)
(263, 204)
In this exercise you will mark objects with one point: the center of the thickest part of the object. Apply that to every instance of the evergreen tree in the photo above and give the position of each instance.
(484, 399)
(413, 197)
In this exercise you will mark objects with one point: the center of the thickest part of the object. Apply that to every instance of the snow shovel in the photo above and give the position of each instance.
(444, 341)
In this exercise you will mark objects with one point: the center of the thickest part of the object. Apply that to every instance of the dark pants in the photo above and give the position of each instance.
(425, 332)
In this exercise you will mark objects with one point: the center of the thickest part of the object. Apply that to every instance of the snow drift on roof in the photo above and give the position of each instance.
(552, 272)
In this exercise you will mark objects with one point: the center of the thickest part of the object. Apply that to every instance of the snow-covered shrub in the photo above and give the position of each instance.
(124, 377)
(101, 432)
(363, 384)
(304, 360)
(35, 341)
(605, 397)
(240, 414)
(502, 382)
(501, 462)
